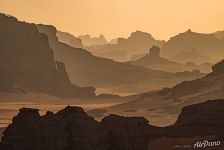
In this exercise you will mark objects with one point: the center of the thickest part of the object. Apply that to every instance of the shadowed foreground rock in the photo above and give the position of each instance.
(127, 133)
(68, 129)
(72, 129)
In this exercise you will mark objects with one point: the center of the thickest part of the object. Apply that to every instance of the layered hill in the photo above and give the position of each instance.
(27, 62)
(193, 47)
(69, 39)
(154, 61)
(86, 69)
(168, 102)
(138, 43)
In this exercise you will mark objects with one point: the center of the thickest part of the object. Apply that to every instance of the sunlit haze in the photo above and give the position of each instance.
(161, 18)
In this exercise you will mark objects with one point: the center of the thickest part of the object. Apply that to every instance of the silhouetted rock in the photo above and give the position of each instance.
(127, 133)
(71, 128)
(154, 52)
(68, 129)
(218, 68)
(69, 39)
(27, 62)
(203, 119)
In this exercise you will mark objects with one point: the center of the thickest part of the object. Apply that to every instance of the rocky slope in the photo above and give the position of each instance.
(27, 62)
(168, 102)
(193, 47)
(154, 61)
(71, 128)
(69, 39)
(138, 43)
(86, 69)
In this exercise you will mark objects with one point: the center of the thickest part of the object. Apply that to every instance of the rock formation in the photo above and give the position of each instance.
(27, 62)
(71, 128)
(68, 129)
(127, 133)
(92, 41)
(138, 43)
(153, 60)
(106, 73)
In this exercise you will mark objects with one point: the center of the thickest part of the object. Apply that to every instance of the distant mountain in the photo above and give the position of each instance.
(86, 69)
(193, 47)
(69, 39)
(155, 62)
(219, 34)
(138, 43)
(27, 62)
(168, 102)
(87, 40)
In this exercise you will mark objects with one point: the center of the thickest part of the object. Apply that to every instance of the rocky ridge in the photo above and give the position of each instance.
(72, 128)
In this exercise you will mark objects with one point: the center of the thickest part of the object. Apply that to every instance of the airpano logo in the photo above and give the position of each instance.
(206, 144)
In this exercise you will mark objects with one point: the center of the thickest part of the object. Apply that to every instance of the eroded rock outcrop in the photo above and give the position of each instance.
(71, 128)
(68, 129)
(27, 62)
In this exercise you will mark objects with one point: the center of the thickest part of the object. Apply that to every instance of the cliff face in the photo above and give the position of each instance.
(27, 61)
(71, 128)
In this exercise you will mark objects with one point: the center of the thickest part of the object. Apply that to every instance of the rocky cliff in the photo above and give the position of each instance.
(27, 62)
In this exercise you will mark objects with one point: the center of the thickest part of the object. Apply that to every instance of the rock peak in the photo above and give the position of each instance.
(154, 52)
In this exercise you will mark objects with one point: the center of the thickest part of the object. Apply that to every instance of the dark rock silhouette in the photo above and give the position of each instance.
(71, 128)
(153, 60)
(127, 133)
(68, 129)
(27, 62)
(124, 49)
(69, 39)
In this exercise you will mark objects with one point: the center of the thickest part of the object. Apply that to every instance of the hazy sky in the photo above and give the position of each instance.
(162, 18)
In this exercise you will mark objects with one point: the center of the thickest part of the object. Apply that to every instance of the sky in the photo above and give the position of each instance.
(118, 18)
